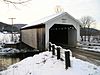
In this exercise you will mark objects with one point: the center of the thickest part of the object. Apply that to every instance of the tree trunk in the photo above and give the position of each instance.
(84, 34)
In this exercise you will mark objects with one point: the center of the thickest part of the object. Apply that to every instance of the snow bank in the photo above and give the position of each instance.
(89, 46)
(46, 64)
(5, 51)
(7, 37)
(94, 49)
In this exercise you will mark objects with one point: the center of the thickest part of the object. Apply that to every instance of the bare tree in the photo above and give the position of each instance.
(15, 2)
(87, 21)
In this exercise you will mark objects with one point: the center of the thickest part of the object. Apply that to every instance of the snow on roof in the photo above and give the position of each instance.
(45, 19)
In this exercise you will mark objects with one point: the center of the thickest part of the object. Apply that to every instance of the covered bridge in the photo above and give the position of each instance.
(60, 29)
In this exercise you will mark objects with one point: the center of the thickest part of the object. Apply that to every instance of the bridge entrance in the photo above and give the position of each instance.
(61, 34)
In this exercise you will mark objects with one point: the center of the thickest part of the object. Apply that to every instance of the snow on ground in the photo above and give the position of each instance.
(7, 37)
(89, 46)
(97, 49)
(5, 51)
(46, 64)
(0, 46)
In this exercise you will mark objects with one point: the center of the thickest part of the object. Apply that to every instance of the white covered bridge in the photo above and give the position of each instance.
(60, 29)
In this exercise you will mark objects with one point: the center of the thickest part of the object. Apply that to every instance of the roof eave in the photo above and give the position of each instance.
(29, 27)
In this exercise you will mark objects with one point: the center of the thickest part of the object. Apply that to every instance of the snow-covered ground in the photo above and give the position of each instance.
(89, 46)
(97, 49)
(7, 37)
(46, 64)
(4, 51)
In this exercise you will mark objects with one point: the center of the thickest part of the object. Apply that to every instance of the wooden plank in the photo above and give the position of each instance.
(41, 38)
(29, 37)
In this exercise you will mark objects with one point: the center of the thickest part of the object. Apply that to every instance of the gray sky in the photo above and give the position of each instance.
(37, 9)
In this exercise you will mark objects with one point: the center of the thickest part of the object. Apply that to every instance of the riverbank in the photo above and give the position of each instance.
(8, 59)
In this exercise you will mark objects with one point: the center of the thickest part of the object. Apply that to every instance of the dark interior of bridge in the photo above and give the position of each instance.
(58, 34)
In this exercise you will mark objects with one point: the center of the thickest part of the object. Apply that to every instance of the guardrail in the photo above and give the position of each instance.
(61, 54)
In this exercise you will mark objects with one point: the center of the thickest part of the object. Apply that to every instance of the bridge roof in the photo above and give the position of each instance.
(48, 18)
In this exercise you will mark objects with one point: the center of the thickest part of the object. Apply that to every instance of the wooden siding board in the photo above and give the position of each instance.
(29, 37)
(41, 38)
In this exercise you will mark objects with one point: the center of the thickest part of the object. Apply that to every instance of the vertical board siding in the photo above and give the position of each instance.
(29, 37)
(41, 38)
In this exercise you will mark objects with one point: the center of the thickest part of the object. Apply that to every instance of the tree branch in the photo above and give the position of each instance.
(16, 2)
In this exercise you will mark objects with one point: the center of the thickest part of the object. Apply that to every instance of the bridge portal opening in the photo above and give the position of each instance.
(61, 34)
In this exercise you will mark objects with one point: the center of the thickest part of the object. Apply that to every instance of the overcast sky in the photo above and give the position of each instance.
(37, 9)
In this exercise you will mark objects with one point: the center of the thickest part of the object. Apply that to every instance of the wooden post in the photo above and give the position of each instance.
(67, 59)
(53, 49)
(49, 46)
(58, 52)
